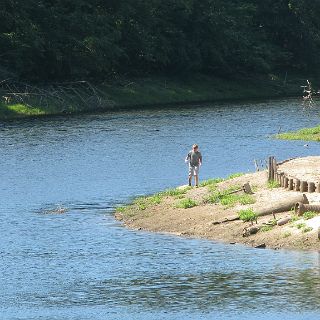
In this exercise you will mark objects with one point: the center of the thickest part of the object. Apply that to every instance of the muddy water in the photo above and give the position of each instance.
(82, 264)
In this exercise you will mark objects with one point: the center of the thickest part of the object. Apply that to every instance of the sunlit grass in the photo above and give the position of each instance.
(266, 228)
(273, 184)
(229, 199)
(307, 134)
(309, 215)
(247, 215)
(186, 203)
(235, 175)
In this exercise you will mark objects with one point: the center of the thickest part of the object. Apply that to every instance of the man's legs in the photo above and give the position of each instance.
(196, 178)
(190, 177)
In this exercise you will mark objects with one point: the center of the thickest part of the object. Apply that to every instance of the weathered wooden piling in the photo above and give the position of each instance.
(311, 187)
(304, 186)
(297, 185)
(286, 182)
(290, 186)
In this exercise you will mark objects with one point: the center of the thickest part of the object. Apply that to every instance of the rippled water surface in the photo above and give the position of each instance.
(82, 264)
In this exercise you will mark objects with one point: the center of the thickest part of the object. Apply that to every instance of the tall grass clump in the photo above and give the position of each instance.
(247, 215)
(273, 184)
(186, 203)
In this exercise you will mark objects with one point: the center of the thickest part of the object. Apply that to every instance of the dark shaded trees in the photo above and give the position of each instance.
(47, 40)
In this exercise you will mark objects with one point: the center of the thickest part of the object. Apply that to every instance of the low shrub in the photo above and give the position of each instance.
(247, 215)
(186, 203)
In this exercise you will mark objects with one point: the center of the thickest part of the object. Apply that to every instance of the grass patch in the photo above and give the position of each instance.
(187, 203)
(294, 218)
(307, 229)
(246, 199)
(301, 225)
(210, 182)
(307, 134)
(309, 215)
(121, 209)
(286, 234)
(175, 192)
(235, 175)
(273, 184)
(247, 215)
(226, 199)
(266, 228)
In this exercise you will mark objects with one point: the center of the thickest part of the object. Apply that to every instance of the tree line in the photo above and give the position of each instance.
(55, 40)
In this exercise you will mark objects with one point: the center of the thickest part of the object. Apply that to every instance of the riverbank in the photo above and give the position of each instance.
(148, 92)
(204, 212)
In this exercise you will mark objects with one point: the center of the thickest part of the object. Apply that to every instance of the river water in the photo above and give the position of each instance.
(83, 264)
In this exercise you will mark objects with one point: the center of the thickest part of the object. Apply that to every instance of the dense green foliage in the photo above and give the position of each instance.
(95, 39)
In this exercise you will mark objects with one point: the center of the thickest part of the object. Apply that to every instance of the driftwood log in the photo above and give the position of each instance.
(283, 221)
(281, 205)
(300, 208)
(247, 231)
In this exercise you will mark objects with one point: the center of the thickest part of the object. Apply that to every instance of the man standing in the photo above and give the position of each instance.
(194, 158)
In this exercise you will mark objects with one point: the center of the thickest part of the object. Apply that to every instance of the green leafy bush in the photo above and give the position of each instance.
(247, 215)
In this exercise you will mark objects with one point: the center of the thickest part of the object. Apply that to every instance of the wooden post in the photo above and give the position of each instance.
(286, 182)
(297, 185)
(304, 186)
(269, 168)
(290, 187)
(311, 187)
(282, 179)
(275, 169)
(318, 187)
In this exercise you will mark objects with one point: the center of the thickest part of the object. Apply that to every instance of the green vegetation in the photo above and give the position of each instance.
(294, 218)
(152, 37)
(177, 192)
(266, 228)
(210, 182)
(229, 199)
(235, 175)
(247, 215)
(154, 91)
(273, 184)
(143, 202)
(301, 225)
(286, 234)
(187, 203)
(307, 229)
(309, 215)
(307, 134)
(157, 52)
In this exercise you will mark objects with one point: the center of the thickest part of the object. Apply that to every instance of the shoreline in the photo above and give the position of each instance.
(128, 94)
(208, 212)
